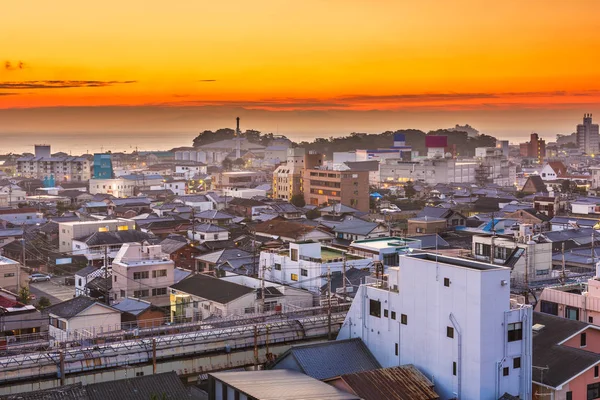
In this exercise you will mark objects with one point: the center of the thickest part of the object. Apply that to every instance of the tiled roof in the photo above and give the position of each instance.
(210, 288)
(331, 359)
(70, 308)
(132, 306)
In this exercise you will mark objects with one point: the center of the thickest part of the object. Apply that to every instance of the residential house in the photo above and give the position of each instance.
(426, 225)
(11, 275)
(550, 206)
(70, 230)
(529, 216)
(21, 216)
(288, 231)
(248, 385)
(247, 208)
(329, 360)
(479, 346)
(239, 258)
(534, 184)
(286, 210)
(99, 245)
(9, 235)
(570, 238)
(306, 264)
(81, 318)
(214, 217)
(85, 276)
(566, 358)
(197, 201)
(356, 229)
(207, 232)
(562, 223)
(553, 170)
(180, 251)
(395, 383)
(384, 249)
(139, 313)
(18, 318)
(453, 218)
(201, 296)
(142, 271)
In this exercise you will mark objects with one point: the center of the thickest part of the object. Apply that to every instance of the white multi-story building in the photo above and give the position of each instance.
(189, 170)
(69, 231)
(287, 178)
(142, 271)
(305, 264)
(63, 169)
(451, 318)
(431, 172)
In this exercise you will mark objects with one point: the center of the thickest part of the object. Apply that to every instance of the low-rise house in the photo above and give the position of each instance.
(81, 318)
(562, 223)
(210, 261)
(384, 249)
(180, 251)
(286, 210)
(328, 361)
(207, 233)
(566, 358)
(426, 225)
(9, 235)
(247, 207)
(395, 383)
(214, 217)
(85, 276)
(534, 185)
(453, 218)
(288, 231)
(139, 313)
(18, 318)
(22, 216)
(177, 186)
(550, 206)
(93, 247)
(11, 275)
(271, 385)
(356, 229)
(201, 296)
(570, 238)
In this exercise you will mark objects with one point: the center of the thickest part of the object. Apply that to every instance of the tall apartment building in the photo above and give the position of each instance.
(43, 165)
(451, 318)
(535, 148)
(142, 271)
(287, 178)
(328, 186)
(588, 137)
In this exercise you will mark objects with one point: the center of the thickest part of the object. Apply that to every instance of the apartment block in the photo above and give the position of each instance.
(287, 178)
(67, 231)
(63, 169)
(451, 318)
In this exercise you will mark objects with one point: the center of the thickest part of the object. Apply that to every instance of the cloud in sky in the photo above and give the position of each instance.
(58, 84)
(207, 80)
(13, 66)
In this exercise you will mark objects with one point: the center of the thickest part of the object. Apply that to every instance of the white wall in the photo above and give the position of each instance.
(480, 305)
(94, 320)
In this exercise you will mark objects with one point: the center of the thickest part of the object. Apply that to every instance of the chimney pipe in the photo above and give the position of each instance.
(237, 129)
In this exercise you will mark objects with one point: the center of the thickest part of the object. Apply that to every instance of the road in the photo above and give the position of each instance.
(54, 289)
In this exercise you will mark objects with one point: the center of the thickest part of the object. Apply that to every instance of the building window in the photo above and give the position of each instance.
(115, 278)
(505, 371)
(294, 277)
(277, 267)
(447, 282)
(454, 368)
(141, 293)
(375, 308)
(294, 254)
(396, 348)
(141, 275)
(516, 362)
(393, 314)
(122, 293)
(583, 339)
(385, 313)
(159, 273)
(403, 319)
(515, 332)
(159, 292)
(450, 332)
(549, 307)
(569, 396)
(596, 371)
(303, 272)
(572, 313)
(593, 391)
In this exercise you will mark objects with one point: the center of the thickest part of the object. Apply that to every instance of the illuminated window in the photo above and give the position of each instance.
(123, 228)
(103, 229)
(295, 277)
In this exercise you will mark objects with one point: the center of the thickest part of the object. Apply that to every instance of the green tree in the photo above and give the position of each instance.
(24, 295)
(312, 214)
(44, 302)
(227, 164)
(239, 162)
(298, 200)
(409, 190)
(566, 186)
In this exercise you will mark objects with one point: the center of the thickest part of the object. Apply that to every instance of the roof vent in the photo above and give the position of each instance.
(537, 327)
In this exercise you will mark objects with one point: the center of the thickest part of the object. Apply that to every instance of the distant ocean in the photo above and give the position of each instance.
(94, 143)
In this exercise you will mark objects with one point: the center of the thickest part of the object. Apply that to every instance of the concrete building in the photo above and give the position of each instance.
(125, 185)
(478, 342)
(191, 155)
(522, 255)
(225, 180)
(426, 225)
(287, 178)
(384, 249)
(18, 318)
(62, 169)
(327, 186)
(588, 137)
(102, 166)
(305, 264)
(189, 170)
(431, 172)
(11, 276)
(535, 148)
(68, 231)
(142, 271)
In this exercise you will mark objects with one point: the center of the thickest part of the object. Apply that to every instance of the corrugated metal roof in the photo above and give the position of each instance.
(331, 359)
(397, 383)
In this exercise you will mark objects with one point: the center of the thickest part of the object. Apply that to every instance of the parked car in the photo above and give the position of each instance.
(39, 278)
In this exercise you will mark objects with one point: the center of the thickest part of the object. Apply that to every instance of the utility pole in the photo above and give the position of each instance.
(24, 262)
(328, 303)
(262, 288)
(344, 276)
(193, 225)
(106, 300)
(563, 275)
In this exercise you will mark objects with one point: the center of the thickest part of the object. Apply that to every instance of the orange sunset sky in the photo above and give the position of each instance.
(305, 67)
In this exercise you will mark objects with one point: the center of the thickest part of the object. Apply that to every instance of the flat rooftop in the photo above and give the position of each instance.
(383, 243)
(458, 262)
